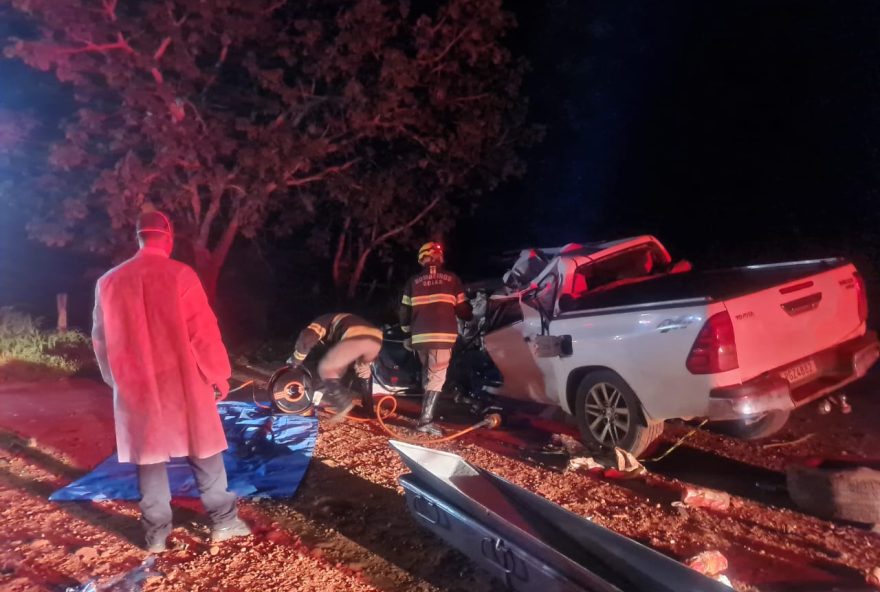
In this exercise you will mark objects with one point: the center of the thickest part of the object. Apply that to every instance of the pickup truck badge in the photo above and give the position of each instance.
(667, 325)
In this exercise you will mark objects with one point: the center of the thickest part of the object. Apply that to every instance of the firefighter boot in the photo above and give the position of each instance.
(365, 387)
(338, 397)
(426, 420)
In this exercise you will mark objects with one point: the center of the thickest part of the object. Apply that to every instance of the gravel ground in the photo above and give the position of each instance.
(347, 528)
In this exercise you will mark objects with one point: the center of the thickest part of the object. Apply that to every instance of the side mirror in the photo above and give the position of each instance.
(682, 266)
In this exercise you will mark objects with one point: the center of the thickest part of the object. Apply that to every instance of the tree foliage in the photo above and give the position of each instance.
(363, 123)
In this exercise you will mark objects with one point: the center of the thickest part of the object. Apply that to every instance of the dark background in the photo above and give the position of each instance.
(735, 131)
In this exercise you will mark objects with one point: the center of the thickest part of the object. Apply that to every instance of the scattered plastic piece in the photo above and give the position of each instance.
(699, 497)
(708, 563)
(625, 465)
(131, 581)
(584, 463)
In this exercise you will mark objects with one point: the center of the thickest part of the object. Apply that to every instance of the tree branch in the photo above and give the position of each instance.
(449, 47)
(195, 201)
(365, 252)
(213, 210)
(395, 231)
(340, 249)
(161, 51)
(221, 251)
(120, 44)
(175, 21)
(275, 7)
(439, 24)
(296, 182)
(110, 9)
(471, 98)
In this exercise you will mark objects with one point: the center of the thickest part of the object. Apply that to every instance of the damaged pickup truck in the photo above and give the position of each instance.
(621, 338)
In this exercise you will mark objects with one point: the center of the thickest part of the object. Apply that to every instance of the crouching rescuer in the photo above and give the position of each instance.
(351, 340)
(432, 302)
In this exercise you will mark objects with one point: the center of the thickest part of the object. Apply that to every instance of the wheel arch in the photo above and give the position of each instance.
(573, 382)
(577, 375)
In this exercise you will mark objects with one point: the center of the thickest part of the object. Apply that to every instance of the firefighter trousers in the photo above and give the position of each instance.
(360, 351)
(435, 363)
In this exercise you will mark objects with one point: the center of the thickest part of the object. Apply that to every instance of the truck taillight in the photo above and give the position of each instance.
(862, 295)
(714, 350)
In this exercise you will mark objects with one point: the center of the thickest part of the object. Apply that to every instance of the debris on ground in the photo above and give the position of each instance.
(768, 543)
(701, 497)
(623, 466)
(572, 445)
(711, 564)
(584, 463)
(628, 466)
(131, 581)
(708, 563)
(795, 442)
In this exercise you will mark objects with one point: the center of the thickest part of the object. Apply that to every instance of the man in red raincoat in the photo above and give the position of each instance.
(159, 347)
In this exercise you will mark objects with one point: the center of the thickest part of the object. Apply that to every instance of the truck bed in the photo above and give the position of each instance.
(712, 285)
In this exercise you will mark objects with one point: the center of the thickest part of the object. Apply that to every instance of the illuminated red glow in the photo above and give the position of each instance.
(714, 349)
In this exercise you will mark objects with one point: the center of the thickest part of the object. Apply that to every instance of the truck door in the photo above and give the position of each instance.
(517, 351)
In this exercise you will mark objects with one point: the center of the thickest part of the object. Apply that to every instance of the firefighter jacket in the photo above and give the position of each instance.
(158, 346)
(331, 329)
(431, 302)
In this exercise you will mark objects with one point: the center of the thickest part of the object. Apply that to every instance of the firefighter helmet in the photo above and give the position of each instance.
(431, 252)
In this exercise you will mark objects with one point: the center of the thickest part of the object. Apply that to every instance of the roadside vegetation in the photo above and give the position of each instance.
(30, 351)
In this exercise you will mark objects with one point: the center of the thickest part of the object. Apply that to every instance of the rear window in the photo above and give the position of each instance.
(634, 263)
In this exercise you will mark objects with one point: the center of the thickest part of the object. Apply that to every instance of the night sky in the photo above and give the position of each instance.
(736, 132)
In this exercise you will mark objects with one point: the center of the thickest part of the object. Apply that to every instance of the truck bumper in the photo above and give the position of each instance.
(835, 368)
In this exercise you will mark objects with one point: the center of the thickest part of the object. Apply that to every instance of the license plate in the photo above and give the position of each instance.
(800, 373)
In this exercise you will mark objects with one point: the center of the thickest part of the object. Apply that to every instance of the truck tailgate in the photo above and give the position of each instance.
(791, 321)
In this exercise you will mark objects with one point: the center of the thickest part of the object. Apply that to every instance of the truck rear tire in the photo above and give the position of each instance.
(609, 415)
(763, 427)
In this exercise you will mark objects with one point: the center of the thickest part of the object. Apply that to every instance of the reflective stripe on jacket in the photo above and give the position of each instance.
(431, 302)
(333, 328)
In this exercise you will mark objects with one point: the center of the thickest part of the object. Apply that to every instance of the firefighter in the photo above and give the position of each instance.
(352, 340)
(432, 299)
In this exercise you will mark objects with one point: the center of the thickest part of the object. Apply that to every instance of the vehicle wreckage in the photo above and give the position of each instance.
(623, 339)
(526, 541)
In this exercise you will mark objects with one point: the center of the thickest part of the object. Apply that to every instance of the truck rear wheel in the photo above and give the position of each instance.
(754, 429)
(610, 415)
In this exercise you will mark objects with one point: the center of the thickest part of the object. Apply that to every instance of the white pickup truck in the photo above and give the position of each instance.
(616, 335)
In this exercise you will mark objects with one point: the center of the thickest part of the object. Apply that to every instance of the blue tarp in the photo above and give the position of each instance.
(260, 462)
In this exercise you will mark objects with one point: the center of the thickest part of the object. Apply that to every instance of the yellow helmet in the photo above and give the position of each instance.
(432, 251)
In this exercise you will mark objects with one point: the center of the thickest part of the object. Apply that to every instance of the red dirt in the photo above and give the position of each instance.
(347, 529)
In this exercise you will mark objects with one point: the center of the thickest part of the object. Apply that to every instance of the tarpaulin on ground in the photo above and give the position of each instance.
(267, 457)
